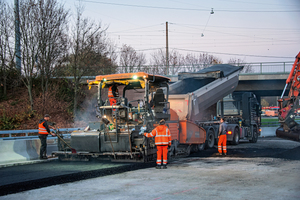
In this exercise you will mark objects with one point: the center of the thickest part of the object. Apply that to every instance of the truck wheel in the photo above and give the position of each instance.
(210, 142)
(236, 137)
(255, 136)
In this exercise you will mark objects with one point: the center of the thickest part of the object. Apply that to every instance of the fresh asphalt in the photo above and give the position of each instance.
(26, 177)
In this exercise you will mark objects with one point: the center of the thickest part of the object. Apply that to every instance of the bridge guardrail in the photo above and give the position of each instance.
(249, 68)
(30, 133)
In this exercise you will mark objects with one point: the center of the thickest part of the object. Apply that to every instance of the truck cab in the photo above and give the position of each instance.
(242, 112)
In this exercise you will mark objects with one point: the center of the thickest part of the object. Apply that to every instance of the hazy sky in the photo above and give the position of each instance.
(237, 29)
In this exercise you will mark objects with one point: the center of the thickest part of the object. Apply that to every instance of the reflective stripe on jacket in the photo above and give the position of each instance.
(110, 93)
(113, 91)
(162, 135)
(42, 128)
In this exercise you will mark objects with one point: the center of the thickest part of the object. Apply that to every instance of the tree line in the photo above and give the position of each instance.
(55, 43)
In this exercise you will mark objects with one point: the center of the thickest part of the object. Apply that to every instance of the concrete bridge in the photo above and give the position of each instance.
(268, 84)
(263, 84)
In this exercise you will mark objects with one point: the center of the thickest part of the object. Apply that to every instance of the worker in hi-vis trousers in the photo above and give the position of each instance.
(222, 137)
(162, 141)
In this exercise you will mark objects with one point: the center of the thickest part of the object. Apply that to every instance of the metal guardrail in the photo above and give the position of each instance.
(19, 134)
(249, 68)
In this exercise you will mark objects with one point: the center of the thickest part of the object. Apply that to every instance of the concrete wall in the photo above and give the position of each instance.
(22, 150)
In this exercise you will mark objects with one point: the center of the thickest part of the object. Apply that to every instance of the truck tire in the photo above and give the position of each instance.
(254, 136)
(236, 136)
(210, 142)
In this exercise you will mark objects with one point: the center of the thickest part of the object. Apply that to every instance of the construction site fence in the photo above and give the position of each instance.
(31, 133)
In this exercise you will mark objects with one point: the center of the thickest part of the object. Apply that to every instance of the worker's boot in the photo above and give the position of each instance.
(45, 156)
(225, 154)
(219, 154)
(158, 167)
(41, 154)
(164, 166)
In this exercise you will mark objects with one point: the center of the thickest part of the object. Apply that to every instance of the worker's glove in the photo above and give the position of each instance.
(53, 134)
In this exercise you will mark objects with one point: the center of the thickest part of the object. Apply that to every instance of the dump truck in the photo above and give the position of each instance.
(204, 96)
(119, 133)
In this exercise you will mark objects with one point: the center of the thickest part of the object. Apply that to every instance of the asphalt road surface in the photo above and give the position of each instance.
(268, 169)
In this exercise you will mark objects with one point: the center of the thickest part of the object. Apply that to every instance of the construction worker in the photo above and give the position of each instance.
(222, 137)
(43, 134)
(162, 141)
(113, 92)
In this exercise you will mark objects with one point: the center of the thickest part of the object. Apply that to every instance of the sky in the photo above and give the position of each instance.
(250, 30)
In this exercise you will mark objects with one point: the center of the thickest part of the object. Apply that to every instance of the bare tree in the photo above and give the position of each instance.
(52, 39)
(29, 43)
(130, 59)
(238, 62)
(43, 27)
(179, 62)
(6, 50)
(88, 51)
(158, 60)
(111, 53)
(194, 62)
(176, 60)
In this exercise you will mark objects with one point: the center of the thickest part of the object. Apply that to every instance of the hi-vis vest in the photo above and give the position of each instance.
(162, 135)
(42, 129)
(110, 92)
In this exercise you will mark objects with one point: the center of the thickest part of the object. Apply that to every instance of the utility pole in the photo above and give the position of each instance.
(167, 50)
(17, 37)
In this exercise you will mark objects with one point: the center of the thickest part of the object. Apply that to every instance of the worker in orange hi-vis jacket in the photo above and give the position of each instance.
(222, 137)
(162, 141)
(113, 93)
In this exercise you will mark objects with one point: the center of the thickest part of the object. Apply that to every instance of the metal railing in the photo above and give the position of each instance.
(249, 68)
(30, 133)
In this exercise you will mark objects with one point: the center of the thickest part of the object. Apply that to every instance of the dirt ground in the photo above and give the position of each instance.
(269, 169)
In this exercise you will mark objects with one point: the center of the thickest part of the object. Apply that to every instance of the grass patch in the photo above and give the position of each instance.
(269, 120)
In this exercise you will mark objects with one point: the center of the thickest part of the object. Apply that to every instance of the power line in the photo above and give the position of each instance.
(235, 54)
(231, 27)
(188, 9)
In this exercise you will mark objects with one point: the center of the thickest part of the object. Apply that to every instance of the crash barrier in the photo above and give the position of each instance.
(23, 150)
(26, 134)
(16, 148)
(268, 131)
